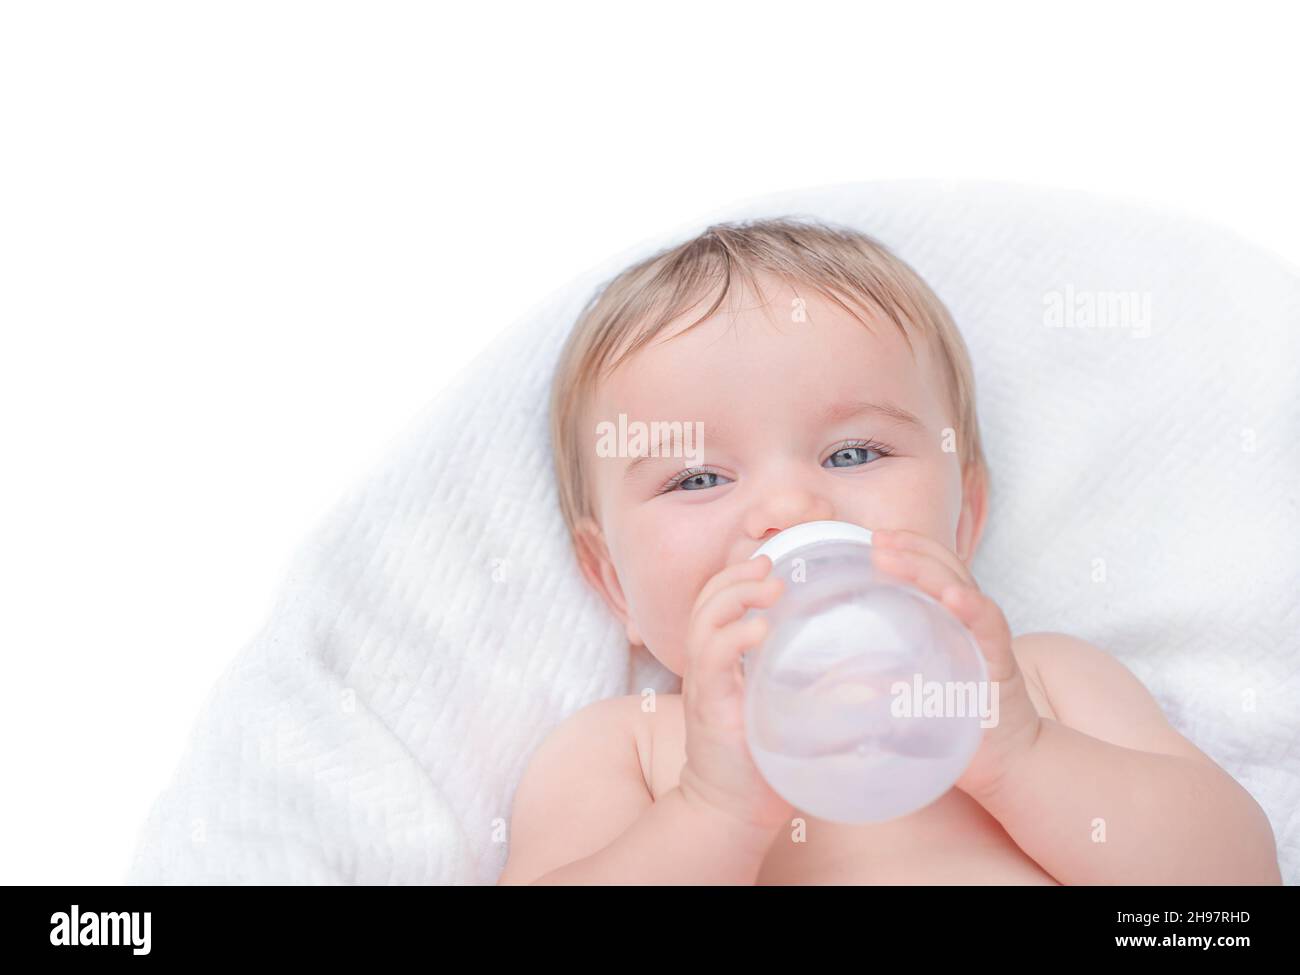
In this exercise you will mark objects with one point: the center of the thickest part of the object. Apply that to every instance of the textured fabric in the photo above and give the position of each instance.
(435, 628)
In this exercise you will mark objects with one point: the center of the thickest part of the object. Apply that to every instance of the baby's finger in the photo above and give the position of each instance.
(714, 673)
(985, 620)
(928, 573)
(910, 541)
(728, 605)
(749, 569)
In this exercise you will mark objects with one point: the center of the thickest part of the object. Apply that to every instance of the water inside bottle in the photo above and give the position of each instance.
(832, 691)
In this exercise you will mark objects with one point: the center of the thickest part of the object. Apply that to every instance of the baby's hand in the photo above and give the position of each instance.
(719, 772)
(939, 573)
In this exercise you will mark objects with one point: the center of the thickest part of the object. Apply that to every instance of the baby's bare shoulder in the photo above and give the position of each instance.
(581, 788)
(1050, 657)
(614, 726)
(1072, 672)
(1092, 691)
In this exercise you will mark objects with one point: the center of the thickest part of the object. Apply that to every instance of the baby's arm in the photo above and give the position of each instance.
(1110, 793)
(583, 815)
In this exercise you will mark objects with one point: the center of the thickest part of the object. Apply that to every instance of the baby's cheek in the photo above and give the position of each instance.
(928, 499)
(669, 599)
(662, 588)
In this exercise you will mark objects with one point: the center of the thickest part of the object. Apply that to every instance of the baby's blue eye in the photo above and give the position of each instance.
(851, 456)
(698, 481)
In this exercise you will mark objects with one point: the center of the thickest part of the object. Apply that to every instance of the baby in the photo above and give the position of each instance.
(833, 385)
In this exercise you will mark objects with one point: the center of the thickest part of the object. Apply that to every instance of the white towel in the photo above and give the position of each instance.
(435, 628)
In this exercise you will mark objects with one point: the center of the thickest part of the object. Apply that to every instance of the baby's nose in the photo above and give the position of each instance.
(780, 511)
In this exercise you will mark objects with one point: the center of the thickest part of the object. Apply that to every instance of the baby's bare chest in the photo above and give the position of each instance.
(953, 840)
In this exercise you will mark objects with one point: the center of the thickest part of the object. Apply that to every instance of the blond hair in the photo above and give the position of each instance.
(844, 265)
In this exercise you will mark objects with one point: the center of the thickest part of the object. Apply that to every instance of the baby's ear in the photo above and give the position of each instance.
(974, 510)
(598, 569)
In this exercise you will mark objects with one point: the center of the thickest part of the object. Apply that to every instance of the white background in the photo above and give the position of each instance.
(241, 244)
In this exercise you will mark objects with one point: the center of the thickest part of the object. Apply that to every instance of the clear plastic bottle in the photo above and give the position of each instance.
(866, 700)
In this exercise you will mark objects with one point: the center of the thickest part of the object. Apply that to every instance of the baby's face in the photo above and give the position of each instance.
(789, 435)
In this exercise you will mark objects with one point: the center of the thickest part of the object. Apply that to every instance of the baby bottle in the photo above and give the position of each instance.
(866, 699)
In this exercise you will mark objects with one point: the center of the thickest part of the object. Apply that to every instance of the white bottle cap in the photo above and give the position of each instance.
(810, 532)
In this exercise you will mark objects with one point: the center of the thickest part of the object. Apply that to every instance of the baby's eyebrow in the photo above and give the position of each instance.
(845, 411)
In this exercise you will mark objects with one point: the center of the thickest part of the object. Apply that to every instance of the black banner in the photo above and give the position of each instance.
(141, 926)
